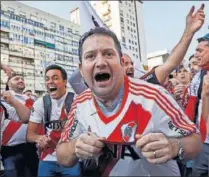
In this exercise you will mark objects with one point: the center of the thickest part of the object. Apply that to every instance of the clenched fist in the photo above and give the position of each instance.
(156, 147)
(88, 145)
(8, 97)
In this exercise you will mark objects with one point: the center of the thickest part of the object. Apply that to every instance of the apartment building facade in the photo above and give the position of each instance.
(125, 18)
(32, 39)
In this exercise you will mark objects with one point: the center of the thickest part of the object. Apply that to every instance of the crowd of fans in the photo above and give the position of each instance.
(113, 124)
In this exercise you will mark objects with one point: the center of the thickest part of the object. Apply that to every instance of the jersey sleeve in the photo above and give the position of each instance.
(37, 111)
(12, 114)
(169, 118)
(151, 77)
(73, 127)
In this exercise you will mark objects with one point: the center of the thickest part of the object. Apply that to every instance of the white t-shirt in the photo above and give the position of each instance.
(145, 108)
(17, 130)
(37, 116)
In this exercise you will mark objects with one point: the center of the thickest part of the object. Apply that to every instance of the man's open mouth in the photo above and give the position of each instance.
(102, 77)
(130, 73)
(52, 89)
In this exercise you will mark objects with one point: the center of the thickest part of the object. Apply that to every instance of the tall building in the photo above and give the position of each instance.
(125, 18)
(157, 58)
(32, 39)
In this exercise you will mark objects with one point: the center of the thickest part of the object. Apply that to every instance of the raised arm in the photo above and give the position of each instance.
(194, 22)
(22, 111)
(6, 69)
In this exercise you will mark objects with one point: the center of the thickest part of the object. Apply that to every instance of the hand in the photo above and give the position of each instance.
(8, 97)
(43, 141)
(88, 145)
(194, 21)
(156, 148)
(174, 82)
(179, 91)
(205, 87)
(7, 70)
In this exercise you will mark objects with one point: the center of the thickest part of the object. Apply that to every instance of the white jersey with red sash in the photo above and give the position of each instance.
(191, 107)
(55, 125)
(14, 132)
(145, 108)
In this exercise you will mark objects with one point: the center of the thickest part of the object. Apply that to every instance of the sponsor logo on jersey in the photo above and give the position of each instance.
(73, 128)
(176, 129)
(128, 131)
(56, 125)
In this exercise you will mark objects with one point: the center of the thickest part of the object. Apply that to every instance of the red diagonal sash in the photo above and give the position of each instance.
(55, 136)
(13, 126)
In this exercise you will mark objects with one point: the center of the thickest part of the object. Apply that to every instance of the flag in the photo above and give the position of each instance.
(88, 18)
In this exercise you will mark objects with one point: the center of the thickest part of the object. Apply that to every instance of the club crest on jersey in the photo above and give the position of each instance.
(128, 131)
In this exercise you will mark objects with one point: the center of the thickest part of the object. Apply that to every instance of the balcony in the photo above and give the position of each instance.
(15, 53)
(5, 51)
(5, 29)
(28, 56)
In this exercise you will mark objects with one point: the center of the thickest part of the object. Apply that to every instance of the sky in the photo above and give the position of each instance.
(164, 21)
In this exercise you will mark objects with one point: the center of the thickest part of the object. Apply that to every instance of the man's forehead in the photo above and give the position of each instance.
(127, 58)
(16, 77)
(203, 44)
(192, 59)
(53, 72)
(95, 42)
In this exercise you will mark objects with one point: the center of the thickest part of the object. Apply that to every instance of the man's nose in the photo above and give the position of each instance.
(196, 55)
(49, 81)
(100, 61)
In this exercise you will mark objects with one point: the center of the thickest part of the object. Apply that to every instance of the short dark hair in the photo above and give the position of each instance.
(62, 70)
(204, 38)
(99, 31)
(10, 77)
(192, 56)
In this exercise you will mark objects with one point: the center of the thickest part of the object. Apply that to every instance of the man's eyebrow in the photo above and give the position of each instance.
(52, 75)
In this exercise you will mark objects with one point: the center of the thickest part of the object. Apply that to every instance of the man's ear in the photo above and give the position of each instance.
(80, 69)
(122, 61)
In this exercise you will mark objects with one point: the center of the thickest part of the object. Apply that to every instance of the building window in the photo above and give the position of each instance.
(43, 21)
(61, 28)
(130, 47)
(22, 14)
(53, 25)
(121, 19)
(10, 10)
(123, 39)
(69, 30)
(32, 17)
